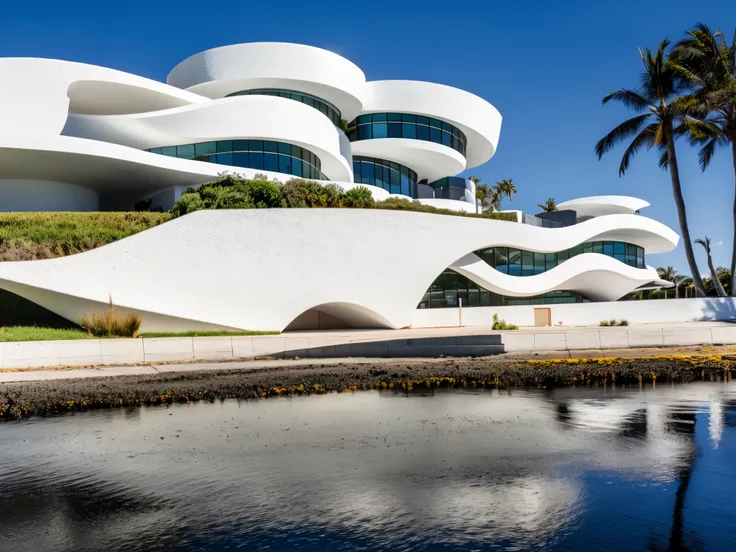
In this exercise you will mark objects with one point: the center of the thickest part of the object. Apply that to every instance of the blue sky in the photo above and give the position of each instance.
(544, 64)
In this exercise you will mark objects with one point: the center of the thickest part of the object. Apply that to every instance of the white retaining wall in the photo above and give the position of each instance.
(587, 314)
(389, 343)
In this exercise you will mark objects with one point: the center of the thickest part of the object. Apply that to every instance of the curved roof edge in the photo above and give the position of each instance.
(597, 206)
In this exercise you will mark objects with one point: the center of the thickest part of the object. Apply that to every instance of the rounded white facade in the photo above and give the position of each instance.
(478, 119)
(222, 71)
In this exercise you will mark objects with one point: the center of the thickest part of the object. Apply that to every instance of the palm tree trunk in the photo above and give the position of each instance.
(681, 213)
(733, 246)
(713, 274)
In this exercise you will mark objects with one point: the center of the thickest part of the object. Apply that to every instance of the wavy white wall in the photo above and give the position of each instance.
(261, 269)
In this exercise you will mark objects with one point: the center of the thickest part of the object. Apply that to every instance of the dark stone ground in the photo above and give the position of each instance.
(24, 399)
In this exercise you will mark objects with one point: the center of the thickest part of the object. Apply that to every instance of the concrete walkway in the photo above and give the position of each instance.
(64, 373)
(410, 343)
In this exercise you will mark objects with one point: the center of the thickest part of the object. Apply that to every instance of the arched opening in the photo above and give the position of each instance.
(337, 316)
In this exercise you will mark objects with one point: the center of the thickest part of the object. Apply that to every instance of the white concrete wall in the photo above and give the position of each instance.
(260, 269)
(586, 314)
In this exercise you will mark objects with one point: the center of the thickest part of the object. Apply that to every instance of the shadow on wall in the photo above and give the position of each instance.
(19, 311)
(722, 309)
(433, 347)
(338, 316)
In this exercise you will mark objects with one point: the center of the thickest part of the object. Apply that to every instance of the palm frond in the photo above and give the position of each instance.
(620, 133)
(706, 153)
(644, 138)
(632, 100)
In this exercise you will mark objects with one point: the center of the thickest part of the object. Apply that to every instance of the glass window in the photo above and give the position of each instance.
(446, 139)
(550, 261)
(619, 248)
(423, 133)
(270, 146)
(436, 123)
(241, 159)
(394, 130)
(185, 152)
(514, 262)
(284, 149)
(539, 263)
(379, 117)
(256, 160)
(598, 247)
(608, 248)
(527, 263)
(224, 146)
(409, 118)
(405, 185)
(205, 148)
(380, 130)
(394, 117)
(271, 162)
(587, 247)
(365, 132)
(422, 120)
(225, 158)
(435, 135)
(409, 131)
(169, 151)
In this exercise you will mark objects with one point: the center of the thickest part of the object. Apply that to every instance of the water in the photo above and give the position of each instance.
(570, 469)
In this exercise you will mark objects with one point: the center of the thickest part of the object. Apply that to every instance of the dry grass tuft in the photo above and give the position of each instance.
(110, 323)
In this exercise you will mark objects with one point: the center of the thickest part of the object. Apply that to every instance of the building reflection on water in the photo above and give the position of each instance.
(376, 471)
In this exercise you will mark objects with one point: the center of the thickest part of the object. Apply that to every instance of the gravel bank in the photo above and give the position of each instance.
(50, 397)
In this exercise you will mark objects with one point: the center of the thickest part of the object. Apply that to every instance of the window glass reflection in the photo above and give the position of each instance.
(253, 154)
(528, 263)
(408, 126)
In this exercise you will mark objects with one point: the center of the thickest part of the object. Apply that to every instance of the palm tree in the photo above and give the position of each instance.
(714, 275)
(548, 206)
(503, 188)
(687, 285)
(478, 193)
(670, 274)
(708, 62)
(485, 196)
(654, 127)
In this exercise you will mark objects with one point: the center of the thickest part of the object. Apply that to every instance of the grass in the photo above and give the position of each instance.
(29, 236)
(205, 333)
(33, 333)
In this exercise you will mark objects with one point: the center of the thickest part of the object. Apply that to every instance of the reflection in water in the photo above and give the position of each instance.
(569, 469)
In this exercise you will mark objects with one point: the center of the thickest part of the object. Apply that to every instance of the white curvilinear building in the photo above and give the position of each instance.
(76, 137)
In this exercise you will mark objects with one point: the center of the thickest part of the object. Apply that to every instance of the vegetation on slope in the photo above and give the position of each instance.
(233, 192)
(30, 236)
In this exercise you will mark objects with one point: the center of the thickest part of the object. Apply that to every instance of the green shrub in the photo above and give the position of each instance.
(502, 325)
(359, 197)
(111, 323)
(142, 205)
(613, 322)
(234, 192)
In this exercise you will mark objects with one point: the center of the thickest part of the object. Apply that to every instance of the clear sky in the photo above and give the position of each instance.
(545, 64)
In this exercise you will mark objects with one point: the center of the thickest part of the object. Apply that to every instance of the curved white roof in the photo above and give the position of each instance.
(598, 206)
(217, 72)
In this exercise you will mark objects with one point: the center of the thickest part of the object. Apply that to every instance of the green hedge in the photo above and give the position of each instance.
(232, 192)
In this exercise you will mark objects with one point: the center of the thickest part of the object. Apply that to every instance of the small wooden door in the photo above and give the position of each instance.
(543, 317)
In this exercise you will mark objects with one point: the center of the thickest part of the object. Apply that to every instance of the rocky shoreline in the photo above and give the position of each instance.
(19, 400)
